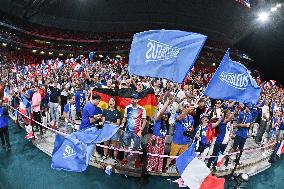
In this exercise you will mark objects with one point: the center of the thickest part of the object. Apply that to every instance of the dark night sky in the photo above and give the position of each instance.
(266, 46)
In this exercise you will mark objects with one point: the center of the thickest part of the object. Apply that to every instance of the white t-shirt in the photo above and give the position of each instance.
(173, 108)
(181, 95)
(265, 111)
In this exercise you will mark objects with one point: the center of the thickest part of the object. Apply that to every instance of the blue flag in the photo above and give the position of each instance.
(168, 54)
(73, 152)
(232, 81)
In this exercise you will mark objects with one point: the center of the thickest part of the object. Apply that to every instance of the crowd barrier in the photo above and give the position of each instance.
(245, 150)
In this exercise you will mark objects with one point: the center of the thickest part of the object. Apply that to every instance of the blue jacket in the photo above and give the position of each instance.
(3, 117)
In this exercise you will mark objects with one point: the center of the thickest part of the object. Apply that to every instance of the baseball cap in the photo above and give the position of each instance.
(134, 95)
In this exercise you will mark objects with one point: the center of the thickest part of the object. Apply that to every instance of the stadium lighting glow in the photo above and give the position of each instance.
(41, 52)
(101, 56)
(60, 54)
(278, 5)
(263, 16)
(4, 44)
(34, 51)
(273, 9)
(214, 64)
(50, 53)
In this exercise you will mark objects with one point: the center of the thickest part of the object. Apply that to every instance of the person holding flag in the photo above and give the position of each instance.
(156, 144)
(222, 139)
(244, 121)
(91, 113)
(204, 134)
(184, 132)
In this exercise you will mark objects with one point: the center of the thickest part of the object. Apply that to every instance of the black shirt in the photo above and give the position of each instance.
(54, 94)
(198, 112)
(111, 116)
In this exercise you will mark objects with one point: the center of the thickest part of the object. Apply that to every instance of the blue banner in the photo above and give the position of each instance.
(232, 81)
(73, 152)
(168, 54)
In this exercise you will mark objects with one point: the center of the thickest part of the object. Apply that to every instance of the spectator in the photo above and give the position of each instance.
(4, 133)
(112, 115)
(223, 138)
(91, 113)
(198, 111)
(64, 97)
(36, 102)
(183, 133)
(54, 101)
(204, 134)
(135, 119)
(69, 113)
(80, 98)
(264, 122)
(156, 144)
(243, 123)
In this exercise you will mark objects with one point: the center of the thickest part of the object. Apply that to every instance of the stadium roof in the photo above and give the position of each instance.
(225, 20)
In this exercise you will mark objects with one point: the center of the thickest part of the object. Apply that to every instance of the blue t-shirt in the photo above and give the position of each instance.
(79, 100)
(157, 129)
(224, 133)
(203, 130)
(3, 117)
(89, 110)
(30, 93)
(67, 109)
(180, 127)
(243, 118)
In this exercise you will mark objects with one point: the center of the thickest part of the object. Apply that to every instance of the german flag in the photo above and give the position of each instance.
(147, 99)
(105, 95)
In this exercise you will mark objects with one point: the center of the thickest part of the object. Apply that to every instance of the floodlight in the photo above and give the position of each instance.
(273, 9)
(263, 16)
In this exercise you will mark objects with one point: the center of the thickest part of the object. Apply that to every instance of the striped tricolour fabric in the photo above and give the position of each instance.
(194, 173)
(244, 2)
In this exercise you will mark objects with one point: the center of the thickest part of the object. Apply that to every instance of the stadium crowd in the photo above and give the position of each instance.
(56, 91)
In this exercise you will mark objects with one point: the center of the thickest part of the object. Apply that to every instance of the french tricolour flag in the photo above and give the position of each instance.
(280, 149)
(194, 172)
